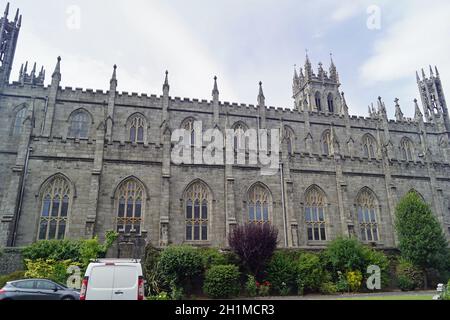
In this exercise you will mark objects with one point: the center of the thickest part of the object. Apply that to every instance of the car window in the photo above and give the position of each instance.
(45, 285)
(29, 284)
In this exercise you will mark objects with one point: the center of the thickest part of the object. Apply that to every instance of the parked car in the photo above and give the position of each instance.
(37, 289)
(113, 280)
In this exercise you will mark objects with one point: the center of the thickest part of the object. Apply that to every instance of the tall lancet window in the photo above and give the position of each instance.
(79, 125)
(367, 216)
(318, 101)
(197, 206)
(330, 103)
(55, 208)
(240, 142)
(315, 215)
(407, 149)
(326, 143)
(289, 137)
(18, 122)
(137, 126)
(188, 125)
(259, 204)
(130, 204)
(369, 146)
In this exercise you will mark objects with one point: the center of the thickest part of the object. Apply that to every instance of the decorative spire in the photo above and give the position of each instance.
(26, 67)
(7, 10)
(431, 71)
(166, 86)
(417, 77)
(261, 98)
(437, 71)
(17, 16)
(295, 73)
(19, 24)
(308, 67)
(215, 91)
(344, 104)
(398, 111)
(57, 71)
(423, 74)
(418, 114)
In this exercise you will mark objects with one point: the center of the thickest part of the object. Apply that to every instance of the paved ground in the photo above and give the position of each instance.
(322, 297)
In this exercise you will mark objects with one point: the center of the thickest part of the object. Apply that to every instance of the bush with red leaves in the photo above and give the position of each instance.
(254, 245)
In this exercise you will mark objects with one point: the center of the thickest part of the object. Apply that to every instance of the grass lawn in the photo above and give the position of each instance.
(393, 298)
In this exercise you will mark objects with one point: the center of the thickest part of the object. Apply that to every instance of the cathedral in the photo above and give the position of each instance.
(76, 163)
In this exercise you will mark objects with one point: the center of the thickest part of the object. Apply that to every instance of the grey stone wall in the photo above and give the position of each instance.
(11, 260)
(97, 165)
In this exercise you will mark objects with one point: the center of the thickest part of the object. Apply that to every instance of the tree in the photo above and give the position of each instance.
(254, 245)
(421, 238)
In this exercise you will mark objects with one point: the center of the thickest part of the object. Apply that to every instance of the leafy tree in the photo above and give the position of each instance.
(254, 245)
(421, 238)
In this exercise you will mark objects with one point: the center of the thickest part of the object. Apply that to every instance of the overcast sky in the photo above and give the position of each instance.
(242, 42)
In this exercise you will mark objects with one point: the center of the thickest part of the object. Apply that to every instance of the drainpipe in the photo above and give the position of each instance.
(20, 199)
(283, 202)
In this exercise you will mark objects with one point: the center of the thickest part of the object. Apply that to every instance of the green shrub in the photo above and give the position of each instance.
(180, 264)
(222, 281)
(311, 274)
(161, 296)
(409, 277)
(342, 283)
(281, 272)
(250, 286)
(212, 257)
(346, 255)
(264, 288)
(58, 250)
(155, 283)
(405, 283)
(328, 288)
(49, 269)
(421, 238)
(354, 280)
(75, 250)
(17, 275)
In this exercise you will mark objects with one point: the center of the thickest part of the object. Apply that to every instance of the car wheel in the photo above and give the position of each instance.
(68, 298)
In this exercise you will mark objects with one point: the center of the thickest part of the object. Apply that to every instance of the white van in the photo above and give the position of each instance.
(113, 280)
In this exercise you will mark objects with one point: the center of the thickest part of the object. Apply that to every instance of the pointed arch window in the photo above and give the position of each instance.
(79, 125)
(137, 128)
(318, 101)
(407, 149)
(197, 207)
(290, 139)
(55, 209)
(367, 216)
(326, 142)
(240, 141)
(315, 215)
(369, 146)
(330, 103)
(188, 125)
(259, 205)
(18, 122)
(130, 199)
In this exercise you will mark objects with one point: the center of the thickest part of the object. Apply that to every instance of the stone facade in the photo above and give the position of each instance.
(93, 150)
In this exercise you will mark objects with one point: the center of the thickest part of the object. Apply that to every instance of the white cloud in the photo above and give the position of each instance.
(346, 10)
(418, 39)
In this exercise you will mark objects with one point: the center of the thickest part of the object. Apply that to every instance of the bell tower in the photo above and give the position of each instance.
(9, 33)
(432, 95)
(317, 92)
